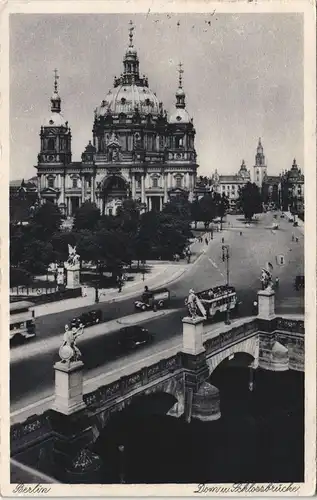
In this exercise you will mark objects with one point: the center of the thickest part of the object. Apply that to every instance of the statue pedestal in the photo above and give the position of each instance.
(73, 277)
(68, 387)
(193, 335)
(266, 304)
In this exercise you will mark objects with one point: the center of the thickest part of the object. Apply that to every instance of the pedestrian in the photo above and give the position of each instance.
(293, 237)
(240, 233)
(255, 307)
(206, 241)
(277, 282)
(296, 239)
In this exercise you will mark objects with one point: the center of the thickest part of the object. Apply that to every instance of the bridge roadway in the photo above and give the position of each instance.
(32, 377)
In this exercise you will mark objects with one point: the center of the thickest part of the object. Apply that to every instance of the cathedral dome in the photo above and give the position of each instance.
(130, 90)
(180, 115)
(55, 120)
(126, 97)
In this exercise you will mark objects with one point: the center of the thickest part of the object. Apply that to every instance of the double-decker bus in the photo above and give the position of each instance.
(218, 299)
(22, 319)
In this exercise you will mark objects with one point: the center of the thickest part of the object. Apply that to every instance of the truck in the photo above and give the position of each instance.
(153, 299)
(218, 299)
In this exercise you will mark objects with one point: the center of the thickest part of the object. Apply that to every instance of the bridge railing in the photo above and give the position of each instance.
(295, 326)
(127, 384)
(226, 338)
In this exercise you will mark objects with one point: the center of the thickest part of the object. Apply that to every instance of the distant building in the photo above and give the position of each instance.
(293, 189)
(137, 151)
(230, 184)
(271, 189)
(23, 195)
(260, 167)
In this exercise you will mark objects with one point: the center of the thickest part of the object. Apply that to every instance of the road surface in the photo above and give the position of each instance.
(32, 378)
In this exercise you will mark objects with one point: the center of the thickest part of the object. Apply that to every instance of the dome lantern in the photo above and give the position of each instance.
(55, 99)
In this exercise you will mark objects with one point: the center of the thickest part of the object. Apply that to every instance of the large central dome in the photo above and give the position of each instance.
(130, 90)
(125, 98)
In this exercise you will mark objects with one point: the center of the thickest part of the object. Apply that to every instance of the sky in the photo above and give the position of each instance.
(243, 78)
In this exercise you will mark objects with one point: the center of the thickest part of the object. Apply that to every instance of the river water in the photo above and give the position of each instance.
(259, 437)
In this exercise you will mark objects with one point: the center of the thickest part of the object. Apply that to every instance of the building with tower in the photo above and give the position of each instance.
(260, 168)
(137, 149)
(293, 189)
(230, 184)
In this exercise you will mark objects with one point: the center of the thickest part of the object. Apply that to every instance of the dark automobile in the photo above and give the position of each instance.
(134, 336)
(87, 319)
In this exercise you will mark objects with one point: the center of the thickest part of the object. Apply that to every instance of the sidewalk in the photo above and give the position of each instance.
(161, 273)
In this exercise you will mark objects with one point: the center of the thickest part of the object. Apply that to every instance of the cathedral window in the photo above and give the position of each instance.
(123, 100)
(75, 183)
(178, 142)
(178, 182)
(50, 182)
(155, 182)
(51, 144)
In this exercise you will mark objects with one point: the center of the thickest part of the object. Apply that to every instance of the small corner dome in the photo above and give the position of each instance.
(55, 120)
(180, 115)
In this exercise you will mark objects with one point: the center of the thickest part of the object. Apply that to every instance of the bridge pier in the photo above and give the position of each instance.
(266, 304)
(202, 400)
(70, 423)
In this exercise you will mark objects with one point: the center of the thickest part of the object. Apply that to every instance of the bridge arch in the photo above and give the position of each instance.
(249, 346)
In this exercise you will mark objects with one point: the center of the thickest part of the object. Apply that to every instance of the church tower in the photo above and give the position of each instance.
(260, 166)
(181, 147)
(55, 153)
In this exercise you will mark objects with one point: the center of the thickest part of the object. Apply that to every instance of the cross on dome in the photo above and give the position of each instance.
(131, 29)
(56, 78)
(180, 71)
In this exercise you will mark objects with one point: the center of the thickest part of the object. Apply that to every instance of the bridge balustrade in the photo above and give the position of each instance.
(138, 379)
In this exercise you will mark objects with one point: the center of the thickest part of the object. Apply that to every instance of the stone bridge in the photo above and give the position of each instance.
(274, 343)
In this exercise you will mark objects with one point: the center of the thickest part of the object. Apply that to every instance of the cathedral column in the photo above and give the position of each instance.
(63, 189)
(143, 200)
(165, 188)
(133, 186)
(82, 188)
(92, 189)
(161, 203)
(149, 203)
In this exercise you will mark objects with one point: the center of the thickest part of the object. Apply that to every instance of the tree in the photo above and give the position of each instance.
(86, 217)
(250, 200)
(195, 212)
(208, 209)
(222, 205)
(37, 255)
(179, 207)
(46, 220)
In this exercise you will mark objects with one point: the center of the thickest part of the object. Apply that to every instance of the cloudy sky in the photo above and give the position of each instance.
(243, 80)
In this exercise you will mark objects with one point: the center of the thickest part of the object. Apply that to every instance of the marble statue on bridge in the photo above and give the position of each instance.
(194, 305)
(69, 352)
(266, 277)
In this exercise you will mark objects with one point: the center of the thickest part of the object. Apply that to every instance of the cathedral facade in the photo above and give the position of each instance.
(137, 149)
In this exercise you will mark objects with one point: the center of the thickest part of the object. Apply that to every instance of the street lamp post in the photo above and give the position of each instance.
(226, 258)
